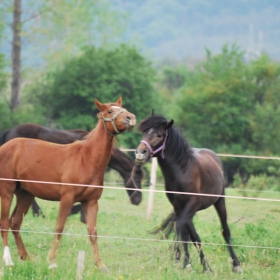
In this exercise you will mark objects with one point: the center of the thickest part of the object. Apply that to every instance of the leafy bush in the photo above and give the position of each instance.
(256, 184)
(67, 94)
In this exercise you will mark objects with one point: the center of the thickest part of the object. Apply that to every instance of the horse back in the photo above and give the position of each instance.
(210, 170)
(208, 155)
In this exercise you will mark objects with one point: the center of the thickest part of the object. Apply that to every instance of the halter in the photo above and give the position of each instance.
(161, 148)
(112, 120)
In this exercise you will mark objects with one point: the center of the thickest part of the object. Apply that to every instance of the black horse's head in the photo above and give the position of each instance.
(133, 185)
(155, 132)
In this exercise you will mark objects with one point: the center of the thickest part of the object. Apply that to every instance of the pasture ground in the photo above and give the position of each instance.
(130, 252)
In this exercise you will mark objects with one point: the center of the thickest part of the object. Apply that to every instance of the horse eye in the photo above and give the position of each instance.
(110, 111)
(159, 135)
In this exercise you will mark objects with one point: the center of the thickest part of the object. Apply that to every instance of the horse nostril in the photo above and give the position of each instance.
(128, 117)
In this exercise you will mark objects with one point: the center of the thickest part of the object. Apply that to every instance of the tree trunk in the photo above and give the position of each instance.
(16, 55)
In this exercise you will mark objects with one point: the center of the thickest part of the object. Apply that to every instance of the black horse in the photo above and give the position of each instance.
(131, 173)
(188, 170)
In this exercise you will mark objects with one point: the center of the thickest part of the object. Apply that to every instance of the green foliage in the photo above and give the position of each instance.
(56, 30)
(214, 106)
(231, 106)
(68, 94)
(3, 75)
(256, 184)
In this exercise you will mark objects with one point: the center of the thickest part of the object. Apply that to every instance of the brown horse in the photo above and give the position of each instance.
(186, 170)
(119, 161)
(81, 162)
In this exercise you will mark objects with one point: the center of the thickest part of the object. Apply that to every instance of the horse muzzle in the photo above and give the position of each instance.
(130, 123)
(141, 156)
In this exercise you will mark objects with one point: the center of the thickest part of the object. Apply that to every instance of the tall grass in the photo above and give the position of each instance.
(130, 252)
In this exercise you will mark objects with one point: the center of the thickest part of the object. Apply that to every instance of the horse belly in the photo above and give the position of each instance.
(43, 191)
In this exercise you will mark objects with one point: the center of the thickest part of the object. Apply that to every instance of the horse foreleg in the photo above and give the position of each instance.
(222, 213)
(24, 201)
(64, 210)
(6, 201)
(186, 227)
(186, 237)
(90, 209)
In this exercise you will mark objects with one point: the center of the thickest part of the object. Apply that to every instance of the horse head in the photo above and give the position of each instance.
(115, 118)
(155, 133)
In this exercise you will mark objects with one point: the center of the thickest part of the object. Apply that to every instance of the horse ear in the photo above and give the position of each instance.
(99, 105)
(169, 124)
(119, 101)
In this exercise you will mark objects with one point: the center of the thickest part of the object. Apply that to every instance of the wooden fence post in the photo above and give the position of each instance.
(152, 187)
(80, 267)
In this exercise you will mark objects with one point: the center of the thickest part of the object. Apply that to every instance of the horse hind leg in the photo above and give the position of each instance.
(222, 213)
(24, 201)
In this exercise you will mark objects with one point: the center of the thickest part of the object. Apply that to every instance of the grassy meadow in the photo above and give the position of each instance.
(130, 252)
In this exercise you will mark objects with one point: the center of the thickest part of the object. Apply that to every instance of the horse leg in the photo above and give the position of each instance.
(64, 210)
(187, 261)
(90, 209)
(7, 190)
(185, 237)
(177, 250)
(186, 229)
(222, 213)
(24, 201)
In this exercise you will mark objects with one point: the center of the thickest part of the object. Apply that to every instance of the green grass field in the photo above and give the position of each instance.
(130, 252)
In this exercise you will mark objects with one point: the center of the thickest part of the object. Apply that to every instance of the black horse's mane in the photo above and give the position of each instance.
(176, 144)
(3, 135)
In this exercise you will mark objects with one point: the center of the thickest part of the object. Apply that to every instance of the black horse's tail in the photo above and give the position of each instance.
(3, 136)
(36, 209)
(167, 226)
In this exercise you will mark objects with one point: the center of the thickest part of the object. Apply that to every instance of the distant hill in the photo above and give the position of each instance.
(171, 30)
(183, 28)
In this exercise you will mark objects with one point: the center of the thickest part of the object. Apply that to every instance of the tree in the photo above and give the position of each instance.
(49, 31)
(231, 106)
(67, 94)
(16, 56)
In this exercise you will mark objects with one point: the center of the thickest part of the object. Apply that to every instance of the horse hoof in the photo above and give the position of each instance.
(207, 271)
(9, 264)
(52, 266)
(27, 258)
(7, 257)
(104, 269)
(189, 269)
(237, 269)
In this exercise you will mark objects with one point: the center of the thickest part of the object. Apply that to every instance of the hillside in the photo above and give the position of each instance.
(180, 28)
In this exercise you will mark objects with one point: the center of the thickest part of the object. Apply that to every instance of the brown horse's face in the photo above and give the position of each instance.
(116, 119)
(153, 140)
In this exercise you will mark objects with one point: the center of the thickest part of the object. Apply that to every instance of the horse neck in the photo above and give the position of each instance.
(171, 168)
(99, 144)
